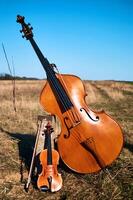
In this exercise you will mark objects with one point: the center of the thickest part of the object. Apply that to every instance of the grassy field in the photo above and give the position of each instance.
(17, 137)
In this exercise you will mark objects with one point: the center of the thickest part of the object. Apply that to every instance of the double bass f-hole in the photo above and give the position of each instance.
(66, 120)
(94, 120)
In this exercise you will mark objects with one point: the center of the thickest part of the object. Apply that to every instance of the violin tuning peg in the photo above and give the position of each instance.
(29, 24)
(31, 28)
(23, 36)
(21, 31)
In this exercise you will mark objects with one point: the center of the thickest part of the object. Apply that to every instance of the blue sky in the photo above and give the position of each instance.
(92, 39)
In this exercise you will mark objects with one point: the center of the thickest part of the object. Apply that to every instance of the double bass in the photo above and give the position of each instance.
(89, 140)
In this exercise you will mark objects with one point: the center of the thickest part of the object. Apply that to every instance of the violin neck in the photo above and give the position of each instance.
(49, 150)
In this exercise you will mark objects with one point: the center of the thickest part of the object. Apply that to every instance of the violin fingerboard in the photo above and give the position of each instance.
(42, 122)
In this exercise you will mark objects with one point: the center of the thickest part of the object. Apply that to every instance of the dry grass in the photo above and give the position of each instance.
(122, 86)
(17, 135)
(93, 95)
(113, 93)
(112, 90)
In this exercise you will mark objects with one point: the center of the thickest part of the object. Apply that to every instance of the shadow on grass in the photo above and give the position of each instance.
(26, 146)
(129, 146)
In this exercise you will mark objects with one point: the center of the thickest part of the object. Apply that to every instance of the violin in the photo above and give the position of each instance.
(89, 140)
(49, 179)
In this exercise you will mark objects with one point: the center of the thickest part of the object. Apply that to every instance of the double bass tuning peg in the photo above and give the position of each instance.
(31, 28)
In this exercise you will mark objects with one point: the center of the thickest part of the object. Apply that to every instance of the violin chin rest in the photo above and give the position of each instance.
(44, 188)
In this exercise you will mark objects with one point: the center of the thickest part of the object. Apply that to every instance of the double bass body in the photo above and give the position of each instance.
(91, 144)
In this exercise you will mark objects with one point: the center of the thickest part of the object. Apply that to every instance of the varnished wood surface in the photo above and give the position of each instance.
(92, 145)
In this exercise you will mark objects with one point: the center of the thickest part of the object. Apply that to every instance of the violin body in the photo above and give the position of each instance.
(49, 172)
(93, 143)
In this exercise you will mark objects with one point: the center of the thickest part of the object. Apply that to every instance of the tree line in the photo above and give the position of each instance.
(6, 76)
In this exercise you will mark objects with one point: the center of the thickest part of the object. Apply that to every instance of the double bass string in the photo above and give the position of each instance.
(52, 79)
(63, 97)
(59, 92)
(75, 115)
(63, 100)
(57, 87)
(75, 135)
(66, 103)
